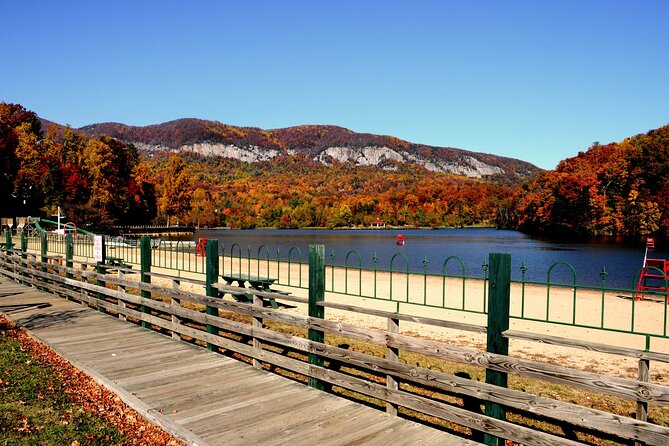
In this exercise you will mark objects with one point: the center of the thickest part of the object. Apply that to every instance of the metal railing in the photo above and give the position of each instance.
(558, 300)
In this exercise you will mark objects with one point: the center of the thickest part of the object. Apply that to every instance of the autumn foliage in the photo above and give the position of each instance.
(98, 181)
(291, 192)
(76, 390)
(614, 189)
(618, 189)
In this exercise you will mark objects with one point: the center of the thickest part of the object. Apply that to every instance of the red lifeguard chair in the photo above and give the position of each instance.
(201, 249)
(653, 275)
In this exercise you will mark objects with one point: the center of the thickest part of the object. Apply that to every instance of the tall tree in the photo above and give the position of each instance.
(176, 189)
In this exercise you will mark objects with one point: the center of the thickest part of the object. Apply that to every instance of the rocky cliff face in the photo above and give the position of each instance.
(384, 157)
(250, 154)
(381, 156)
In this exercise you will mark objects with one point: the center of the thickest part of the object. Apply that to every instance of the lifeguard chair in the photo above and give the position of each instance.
(654, 274)
(201, 248)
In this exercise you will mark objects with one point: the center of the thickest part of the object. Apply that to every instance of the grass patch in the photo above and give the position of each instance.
(34, 408)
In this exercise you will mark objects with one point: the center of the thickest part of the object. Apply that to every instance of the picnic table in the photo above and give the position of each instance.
(254, 282)
(117, 262)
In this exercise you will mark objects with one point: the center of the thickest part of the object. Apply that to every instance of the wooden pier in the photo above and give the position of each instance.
(154, 230)
(197, 395)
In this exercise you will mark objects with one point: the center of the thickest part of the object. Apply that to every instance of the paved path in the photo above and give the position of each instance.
(197, 395)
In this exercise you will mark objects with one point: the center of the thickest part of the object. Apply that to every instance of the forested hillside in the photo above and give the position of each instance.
(102, 181)
(619, 189)
(613, 189)
(96, 181)
(293, 192)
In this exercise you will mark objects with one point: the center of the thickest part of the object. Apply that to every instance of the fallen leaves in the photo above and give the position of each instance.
(90, 395)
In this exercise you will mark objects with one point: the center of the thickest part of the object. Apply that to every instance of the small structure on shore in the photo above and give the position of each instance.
(654, 274)
(378, 224)
(201, 248)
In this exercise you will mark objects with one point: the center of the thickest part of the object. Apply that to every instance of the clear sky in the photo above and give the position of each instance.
(537, 80)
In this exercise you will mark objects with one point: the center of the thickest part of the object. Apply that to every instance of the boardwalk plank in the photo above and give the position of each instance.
(181, 370)
(200, 396)
(164, 377)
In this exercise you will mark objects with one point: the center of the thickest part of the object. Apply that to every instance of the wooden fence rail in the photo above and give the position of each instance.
(308, 346)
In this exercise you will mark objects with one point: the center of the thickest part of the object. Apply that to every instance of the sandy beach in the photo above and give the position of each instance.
(464, 300)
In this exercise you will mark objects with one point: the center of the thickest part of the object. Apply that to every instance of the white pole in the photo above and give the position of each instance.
(58, 219)
(645, 256)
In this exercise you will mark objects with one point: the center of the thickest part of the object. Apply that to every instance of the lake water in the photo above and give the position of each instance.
(472, 245)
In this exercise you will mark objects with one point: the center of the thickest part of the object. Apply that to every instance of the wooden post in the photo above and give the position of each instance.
(24, 252)
(393, 354)
(316, 294)
(144, 270)
(257, 323)
(121, 302)
(43, 250)
(175, 303)
(100, 270)
(211, 276)
(642, 406)
(499, 296)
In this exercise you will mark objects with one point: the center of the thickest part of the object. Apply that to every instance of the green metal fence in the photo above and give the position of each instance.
(454, 288)
(594, 307)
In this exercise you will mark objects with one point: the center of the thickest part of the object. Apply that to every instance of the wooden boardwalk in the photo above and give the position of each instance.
(199, 396)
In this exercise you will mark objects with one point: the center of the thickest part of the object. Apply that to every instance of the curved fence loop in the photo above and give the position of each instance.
(358, 267)
(561, 263)
(239, 258)
(392, 270)
(299, 263)
(548, 288)
(444, 275)
(266, 258)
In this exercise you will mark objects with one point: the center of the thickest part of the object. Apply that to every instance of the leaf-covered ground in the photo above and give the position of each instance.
(44, 400)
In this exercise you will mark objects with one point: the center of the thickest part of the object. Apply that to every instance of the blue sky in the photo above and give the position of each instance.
(535, 80)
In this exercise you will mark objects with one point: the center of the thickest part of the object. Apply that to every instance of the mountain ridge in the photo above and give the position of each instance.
(321, 143)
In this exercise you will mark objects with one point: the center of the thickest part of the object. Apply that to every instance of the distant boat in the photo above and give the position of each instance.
(400, 240)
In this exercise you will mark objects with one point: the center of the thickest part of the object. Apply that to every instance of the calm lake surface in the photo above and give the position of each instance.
(472, 245)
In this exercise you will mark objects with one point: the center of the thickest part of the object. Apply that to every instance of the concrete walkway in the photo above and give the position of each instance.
(199, 396)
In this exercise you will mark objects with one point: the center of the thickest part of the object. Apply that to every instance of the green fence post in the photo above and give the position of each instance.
(69, 252)
(24, 242)
(211, 277)
(8, 240)
(316, 294)
(144, 276)
(43, 247)
(499, 294)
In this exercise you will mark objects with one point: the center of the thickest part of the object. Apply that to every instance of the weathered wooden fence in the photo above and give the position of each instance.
(360, 362)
